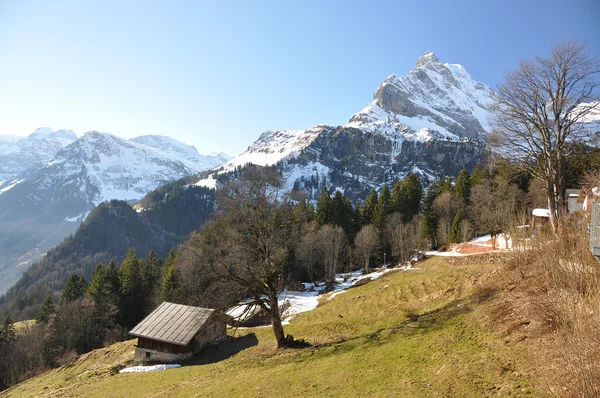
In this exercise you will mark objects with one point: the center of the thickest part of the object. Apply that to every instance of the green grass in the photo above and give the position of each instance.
(363, 344)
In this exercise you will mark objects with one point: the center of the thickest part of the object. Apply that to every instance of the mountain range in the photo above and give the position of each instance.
(55, 179)
(432, 122)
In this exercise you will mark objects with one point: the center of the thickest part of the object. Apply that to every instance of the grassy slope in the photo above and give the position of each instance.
(363, 345)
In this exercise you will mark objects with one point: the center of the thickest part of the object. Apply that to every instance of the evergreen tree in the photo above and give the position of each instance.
(132, 303)
(455, 229)
(7, 330)
(397, 201)
(304, 211)
(429, 220)
(46, 310)
(112, 278)
(368, 209)
(171, 285)
(323, 215)
(100, 290)
(479, 175)
(463, 186)
(382, 210)
(406, 197)
(342, 214)
(445, 185)
(171, 258)
(151, 277)
(74, 289)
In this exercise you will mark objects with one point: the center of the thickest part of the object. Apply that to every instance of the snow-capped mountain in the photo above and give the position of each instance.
(433, 121)
(441, 98)
(19, 154)
(40, 209)
(186, 153)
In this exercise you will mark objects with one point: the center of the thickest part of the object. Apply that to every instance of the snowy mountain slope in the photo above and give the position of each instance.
(186, 153)
(19, 154)
(40, 209)
(7, 142)
(432, 121)
(435, 96)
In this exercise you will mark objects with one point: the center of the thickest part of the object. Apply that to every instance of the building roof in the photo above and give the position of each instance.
(172, 323)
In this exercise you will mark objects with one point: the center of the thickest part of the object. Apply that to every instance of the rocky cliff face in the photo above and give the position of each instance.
(432, 122)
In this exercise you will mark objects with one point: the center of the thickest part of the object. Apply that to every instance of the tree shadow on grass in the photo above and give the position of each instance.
(224, 350)
(427, 322)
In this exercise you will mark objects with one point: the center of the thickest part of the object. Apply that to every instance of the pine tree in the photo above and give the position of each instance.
(7, 330)
(100, 290)
(112, 277)
(342, 214)
(479, 175)
(132, 303)
(455, 229)
(151, 277)
(171, 285)
(463, 186)
(406, 197)
(171, 258)
(323, 215)
(429, 221)
(74, 289)
(397, 201)
(445, 185)
(382, 210)
(368, 210)
(46, 310)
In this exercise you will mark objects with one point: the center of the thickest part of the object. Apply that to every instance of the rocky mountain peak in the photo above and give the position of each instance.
(426, 58)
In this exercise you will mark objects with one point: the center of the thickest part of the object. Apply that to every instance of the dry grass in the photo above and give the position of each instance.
(549, 294)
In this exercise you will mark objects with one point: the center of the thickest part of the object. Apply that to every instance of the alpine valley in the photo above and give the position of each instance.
(51, 180)
(432, 122)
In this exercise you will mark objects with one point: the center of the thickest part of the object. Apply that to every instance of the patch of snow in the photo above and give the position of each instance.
(145, 369)
(208, 182)
(11, 186)
(541, 213)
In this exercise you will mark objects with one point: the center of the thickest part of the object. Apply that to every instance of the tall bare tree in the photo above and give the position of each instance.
(333, 247)
(365, 244)
(494, 205)
(541, 109)
(247, 243)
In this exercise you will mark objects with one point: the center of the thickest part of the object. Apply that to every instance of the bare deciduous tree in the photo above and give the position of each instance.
(307, 252)
(247, 244)
(333, 246)
(365, 244)
(541, 109)
(445, 207)
(494, 204)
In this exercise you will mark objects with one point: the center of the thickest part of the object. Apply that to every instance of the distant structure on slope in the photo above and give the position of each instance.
(174, 332)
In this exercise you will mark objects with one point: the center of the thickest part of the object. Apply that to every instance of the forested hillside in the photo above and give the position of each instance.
(170, 214)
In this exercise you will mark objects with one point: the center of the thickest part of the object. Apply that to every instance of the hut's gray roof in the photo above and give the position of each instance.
(172, 323)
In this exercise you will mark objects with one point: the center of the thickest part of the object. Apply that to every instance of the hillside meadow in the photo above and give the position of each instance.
(425, 332)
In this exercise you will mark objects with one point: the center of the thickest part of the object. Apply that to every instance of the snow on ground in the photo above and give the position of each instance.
(144, 369)
(10, 186)
(483, 244)
(208, 182)
(298, 302)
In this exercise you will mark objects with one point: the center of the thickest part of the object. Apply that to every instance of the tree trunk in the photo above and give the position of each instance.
(552, 209)
(276, 322)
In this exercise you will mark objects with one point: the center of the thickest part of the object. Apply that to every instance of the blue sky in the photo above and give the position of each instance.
(216, 74)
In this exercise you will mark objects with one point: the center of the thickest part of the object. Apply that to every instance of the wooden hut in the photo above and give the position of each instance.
(174, 332)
